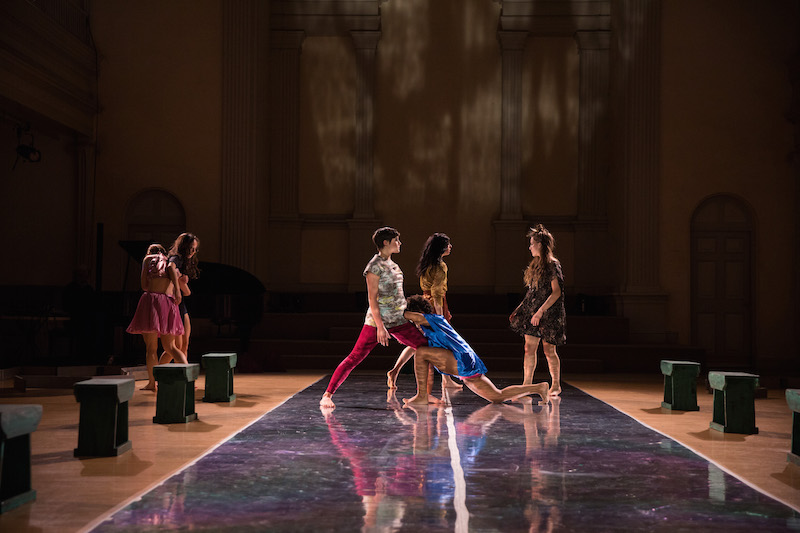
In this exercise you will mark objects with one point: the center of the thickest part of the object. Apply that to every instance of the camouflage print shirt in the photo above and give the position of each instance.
(391, 300)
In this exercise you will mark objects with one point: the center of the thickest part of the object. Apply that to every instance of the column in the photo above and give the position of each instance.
(512, 47)
(239, 133)
(510, 228)
(593, 272)
(366, 44)
(285, 225)
(363, 224)
(593, 130)
(285, 47)
(637, 67)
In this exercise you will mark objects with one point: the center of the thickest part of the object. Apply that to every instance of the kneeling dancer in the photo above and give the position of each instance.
(451, 354)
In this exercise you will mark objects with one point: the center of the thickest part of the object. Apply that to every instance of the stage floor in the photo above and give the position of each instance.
(581, 463)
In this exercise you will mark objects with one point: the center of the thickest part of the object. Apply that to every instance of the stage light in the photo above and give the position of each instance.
(29, 153)
(26, 151)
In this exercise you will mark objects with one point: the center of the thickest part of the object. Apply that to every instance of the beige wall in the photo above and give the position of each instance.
(160, 119)
(438, 132)
(725, 93)
(550, 127)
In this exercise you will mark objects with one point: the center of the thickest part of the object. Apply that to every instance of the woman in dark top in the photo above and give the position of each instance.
(183, 254)
(541, 315)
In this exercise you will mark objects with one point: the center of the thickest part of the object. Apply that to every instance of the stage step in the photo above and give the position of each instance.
(59, 377)
(506, 356)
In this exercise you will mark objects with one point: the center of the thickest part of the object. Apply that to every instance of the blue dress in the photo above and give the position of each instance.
(440, 334)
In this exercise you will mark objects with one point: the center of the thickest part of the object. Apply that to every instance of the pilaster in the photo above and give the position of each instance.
(285, 48)
(593, 127)
(366, 44)
(285, 225)
(637, 67)
(239, 133)
(592, 271)
(512, 47)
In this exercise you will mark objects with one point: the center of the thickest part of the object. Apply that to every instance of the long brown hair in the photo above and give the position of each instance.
(183, 247)
(540, 264)
(432, 252)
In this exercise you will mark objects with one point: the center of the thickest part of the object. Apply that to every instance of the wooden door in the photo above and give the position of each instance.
(722, 284)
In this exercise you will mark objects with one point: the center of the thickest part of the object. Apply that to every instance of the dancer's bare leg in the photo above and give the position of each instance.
(529, 363)
(423, 428)
(438, 357)
(450, 383)
(183, 344)
(554, 364)
(483, 387)
(171, 348)
(151, 358)
(402, 359)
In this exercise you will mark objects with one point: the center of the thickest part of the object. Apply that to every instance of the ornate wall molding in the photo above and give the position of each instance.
(290, 23)
(325, 17)
(555, 17)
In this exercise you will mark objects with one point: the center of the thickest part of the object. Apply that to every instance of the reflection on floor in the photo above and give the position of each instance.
(372, 465)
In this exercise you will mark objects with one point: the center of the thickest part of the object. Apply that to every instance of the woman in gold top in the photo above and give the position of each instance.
(432, 272)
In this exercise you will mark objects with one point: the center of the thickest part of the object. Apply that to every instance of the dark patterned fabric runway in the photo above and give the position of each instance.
(372, 465)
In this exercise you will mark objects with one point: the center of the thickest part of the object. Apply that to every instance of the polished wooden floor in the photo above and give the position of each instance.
(76, 494)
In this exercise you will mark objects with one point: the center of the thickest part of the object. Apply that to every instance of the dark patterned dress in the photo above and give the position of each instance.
(552, 326)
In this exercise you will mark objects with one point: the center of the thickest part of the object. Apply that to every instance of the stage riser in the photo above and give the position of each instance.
(325, 355)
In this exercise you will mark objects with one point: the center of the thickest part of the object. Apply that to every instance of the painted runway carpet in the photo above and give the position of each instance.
(371, 465)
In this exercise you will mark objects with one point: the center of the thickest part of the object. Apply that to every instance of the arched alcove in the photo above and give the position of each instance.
(155, 215)
(722, 282)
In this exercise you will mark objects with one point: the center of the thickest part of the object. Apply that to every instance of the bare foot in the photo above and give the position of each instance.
(417, 400)
(542, 390)
(391, 379)
(327, 401)
(450, 383)
(555, 391)
(526, 400)
(391, 398)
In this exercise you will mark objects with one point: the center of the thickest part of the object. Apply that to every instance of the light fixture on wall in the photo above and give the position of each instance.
(26, 151)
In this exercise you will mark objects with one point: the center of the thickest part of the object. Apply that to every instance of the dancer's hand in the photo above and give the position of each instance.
(537, 316)
(383, 335)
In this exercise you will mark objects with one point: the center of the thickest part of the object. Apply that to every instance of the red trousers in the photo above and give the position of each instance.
(407, 334)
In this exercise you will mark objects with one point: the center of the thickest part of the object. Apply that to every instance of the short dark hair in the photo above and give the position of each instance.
(384, 234)
(418, 304)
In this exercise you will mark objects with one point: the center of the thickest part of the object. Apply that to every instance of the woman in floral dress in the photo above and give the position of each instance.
(541, 316)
